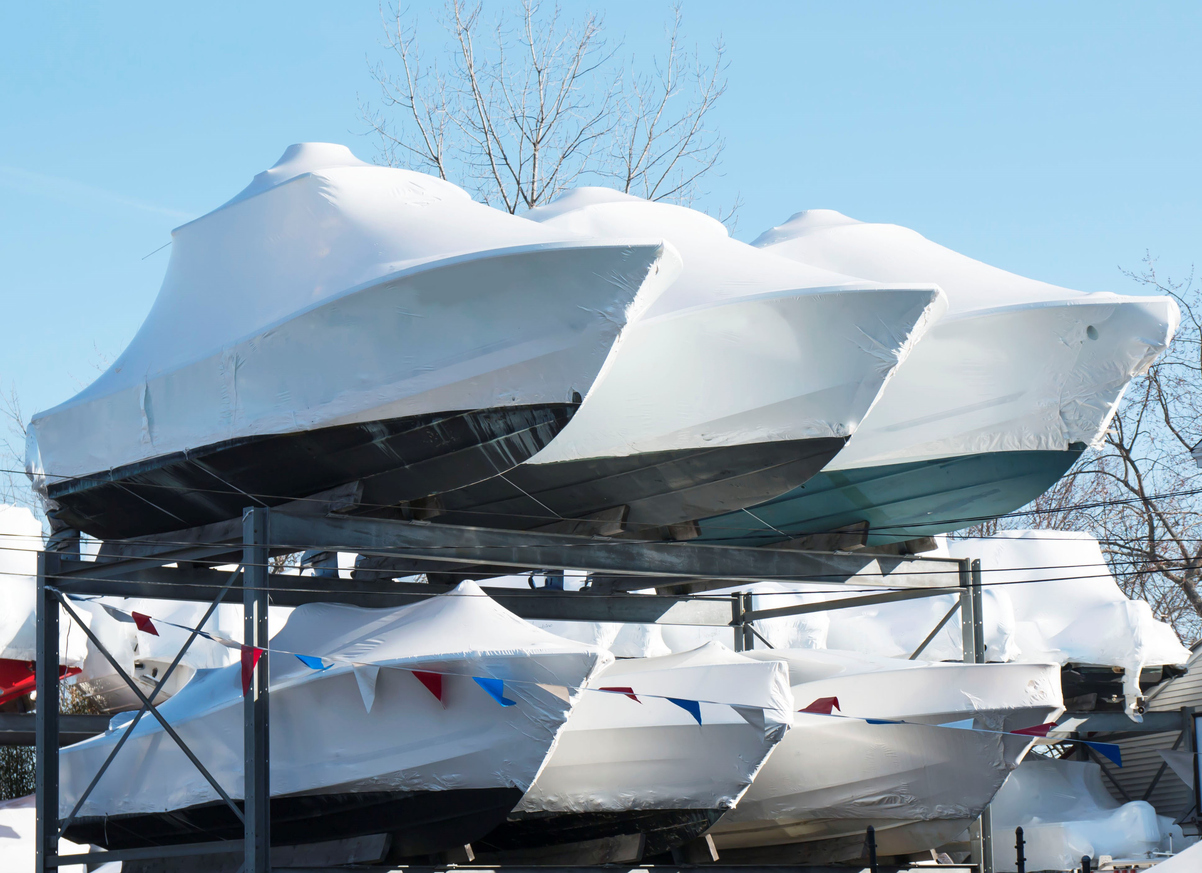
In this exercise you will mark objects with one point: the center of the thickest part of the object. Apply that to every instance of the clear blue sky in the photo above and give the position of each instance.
(1056, 140)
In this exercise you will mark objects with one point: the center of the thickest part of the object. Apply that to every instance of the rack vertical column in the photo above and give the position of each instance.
(256, 734)
(46, 723)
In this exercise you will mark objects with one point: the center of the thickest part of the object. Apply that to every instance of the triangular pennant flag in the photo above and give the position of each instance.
(560, 691)
(118, 614)
(622, 689)
(753, 715)
(495, 689)
(822, 706)
(250, 660)
(964, 724)
(144, 623)
(1109, 750)
(1040, 730)
(692, 707)
(365, 676)
(313, 663)
(433, 683)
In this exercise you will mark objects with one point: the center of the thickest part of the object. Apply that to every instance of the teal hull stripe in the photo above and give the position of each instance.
(899, 501)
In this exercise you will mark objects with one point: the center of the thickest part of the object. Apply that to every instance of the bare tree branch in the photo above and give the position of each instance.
(532, 105)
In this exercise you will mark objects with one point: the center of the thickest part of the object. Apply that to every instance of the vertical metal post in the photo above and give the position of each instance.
(748, 636)
(46, 721)
(736, 619)
(1020, 859)
(968, 631)
(987, 840)
(978, 614)
(256, 734)
(1189, 728)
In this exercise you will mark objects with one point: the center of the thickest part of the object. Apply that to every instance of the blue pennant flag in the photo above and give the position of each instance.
(692, 707)
(1110, 750)
(495, 689)
(313, 663)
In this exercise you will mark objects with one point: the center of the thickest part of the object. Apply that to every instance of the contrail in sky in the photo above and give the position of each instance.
(70, 190)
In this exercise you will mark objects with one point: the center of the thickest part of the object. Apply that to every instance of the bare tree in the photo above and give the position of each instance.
(14, 486)
(528, 105)
(1140, 494)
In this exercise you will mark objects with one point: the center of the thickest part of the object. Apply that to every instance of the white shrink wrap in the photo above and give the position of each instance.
(918, 783)
(744, 347)
(20, 541)
(1066, 813)
(348, 740)
(330, 294)
(1048, 596)
(1016, 364)
(619, 754)
(643, 763)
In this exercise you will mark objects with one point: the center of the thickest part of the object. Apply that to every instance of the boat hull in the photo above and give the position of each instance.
(831, 778)
(419, 823)
(478, 350)
(394, 460)
(664, 829)
(899, 502)
(649, 489)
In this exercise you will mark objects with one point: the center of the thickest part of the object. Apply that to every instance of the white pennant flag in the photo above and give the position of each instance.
(366, 675)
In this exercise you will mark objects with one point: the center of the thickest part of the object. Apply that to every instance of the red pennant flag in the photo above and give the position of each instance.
(250, 660)
(822, 706)
(432, 681)
(144, 623)
(1040, 730)
(628, 692)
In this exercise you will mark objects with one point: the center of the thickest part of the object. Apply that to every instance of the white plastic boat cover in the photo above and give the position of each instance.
(744, 347)
(1049, 597)
(832, 777)
(20, 541)
(1016, 364)
(1066, 813)
(1002, 697)
(146, 657)
(621, 753)
(373, 727)
(320, 295)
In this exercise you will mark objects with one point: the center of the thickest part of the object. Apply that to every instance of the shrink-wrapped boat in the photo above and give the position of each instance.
(427, 722)
(339, 325)
(990, 409)
(738, 383)
(660, 747)
(885, 756)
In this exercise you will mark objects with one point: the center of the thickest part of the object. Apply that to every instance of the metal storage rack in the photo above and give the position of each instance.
(180, 566)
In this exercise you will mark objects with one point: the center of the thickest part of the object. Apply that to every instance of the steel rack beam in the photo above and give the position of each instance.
(20, 729)
(532, 550)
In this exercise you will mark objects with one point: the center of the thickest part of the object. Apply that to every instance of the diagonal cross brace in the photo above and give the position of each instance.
(129, 729)
(146, 703)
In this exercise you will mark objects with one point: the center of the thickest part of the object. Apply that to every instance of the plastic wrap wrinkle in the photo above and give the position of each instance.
(744, 347)
(324, 740)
